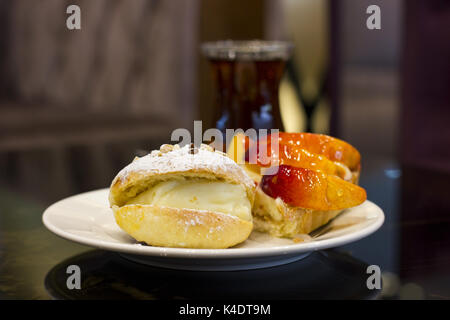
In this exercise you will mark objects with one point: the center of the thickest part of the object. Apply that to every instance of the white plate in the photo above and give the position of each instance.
(87, 219)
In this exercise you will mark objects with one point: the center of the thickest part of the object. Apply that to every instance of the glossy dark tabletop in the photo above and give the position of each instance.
(412, 249)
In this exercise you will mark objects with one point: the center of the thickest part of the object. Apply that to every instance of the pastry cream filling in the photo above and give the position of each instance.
(267, 206)
(216, 196)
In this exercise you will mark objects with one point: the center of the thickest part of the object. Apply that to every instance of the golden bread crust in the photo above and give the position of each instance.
(185, 228)
(306, 222)
(281, 220)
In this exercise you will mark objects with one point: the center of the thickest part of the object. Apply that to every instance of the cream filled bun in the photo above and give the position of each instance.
(184, 197)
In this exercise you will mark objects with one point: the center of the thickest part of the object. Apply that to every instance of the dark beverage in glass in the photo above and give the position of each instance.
(247, 75)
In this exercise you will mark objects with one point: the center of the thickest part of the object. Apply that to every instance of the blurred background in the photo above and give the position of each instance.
(76, 106)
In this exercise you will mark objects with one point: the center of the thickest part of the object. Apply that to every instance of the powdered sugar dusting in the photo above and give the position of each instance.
(182, 159)
(197, 220)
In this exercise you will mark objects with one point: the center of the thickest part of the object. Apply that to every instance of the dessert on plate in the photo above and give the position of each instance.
(199, 198)
(184, 197)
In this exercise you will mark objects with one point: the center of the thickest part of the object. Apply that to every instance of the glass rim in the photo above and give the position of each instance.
(247, 49)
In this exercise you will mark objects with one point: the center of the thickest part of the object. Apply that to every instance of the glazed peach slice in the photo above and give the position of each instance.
(332, 148)
(298, 157)
(310, 189)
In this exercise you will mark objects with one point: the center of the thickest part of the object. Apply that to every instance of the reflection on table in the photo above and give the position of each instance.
(105, 275)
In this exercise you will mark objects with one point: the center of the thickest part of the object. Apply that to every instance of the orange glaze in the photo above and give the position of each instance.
(305, 188)
(332, 148)
(296, 156)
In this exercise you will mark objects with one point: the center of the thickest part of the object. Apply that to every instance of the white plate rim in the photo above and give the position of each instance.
(229, 253)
